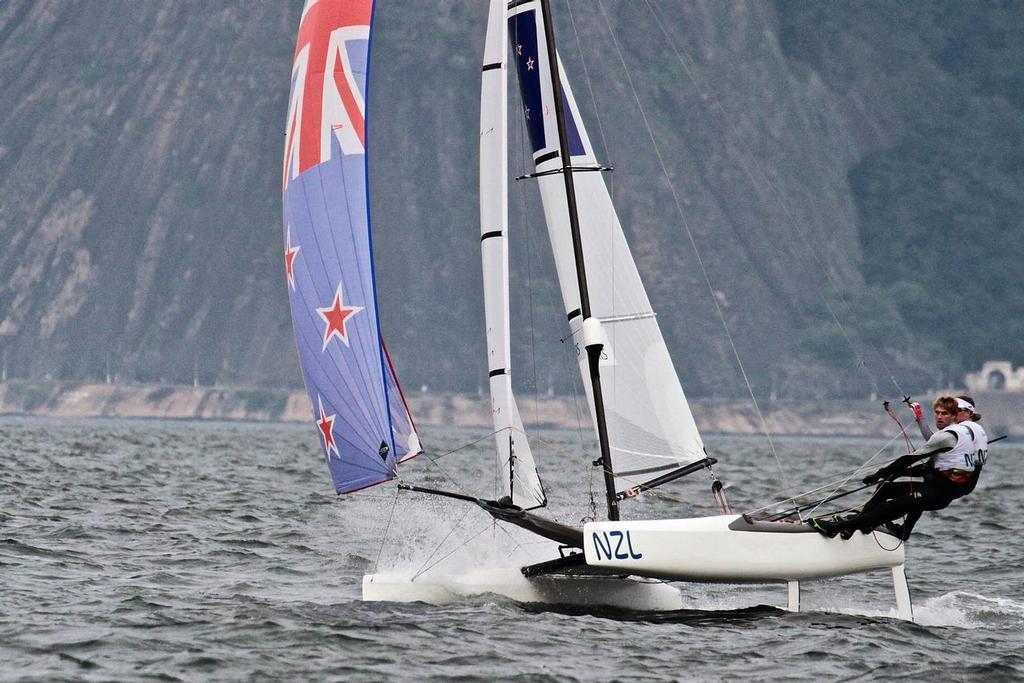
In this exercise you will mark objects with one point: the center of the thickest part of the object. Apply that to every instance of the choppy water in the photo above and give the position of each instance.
(199, 551)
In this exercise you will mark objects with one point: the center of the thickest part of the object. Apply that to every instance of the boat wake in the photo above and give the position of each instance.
(970, 610)
(631, 593)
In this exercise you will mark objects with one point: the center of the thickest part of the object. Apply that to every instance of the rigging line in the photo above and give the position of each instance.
(498, 476)
(611, 179)
(528, 232)
(431, 456)
(571, 367)
(557, 450)
(423, 567)
(531, 289)
(387, 528)
(764, 179)
(574, 375)
(874, 534)
(593, 97)
(693, 244)
(835, 485)
(445, 472)
(896, 419)
(877, 453)
(449, 554)
(530, 246)
(663, 494)
(517, 545)
(573, 364)
(524, 484)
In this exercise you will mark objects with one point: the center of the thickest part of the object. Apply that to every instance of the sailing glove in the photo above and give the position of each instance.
(918, 413)
(873, 478)
(878, 476)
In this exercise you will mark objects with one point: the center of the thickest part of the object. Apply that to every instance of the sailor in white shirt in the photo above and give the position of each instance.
(949, 473)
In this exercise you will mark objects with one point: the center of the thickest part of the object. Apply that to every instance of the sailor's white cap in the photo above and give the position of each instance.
(964, 405)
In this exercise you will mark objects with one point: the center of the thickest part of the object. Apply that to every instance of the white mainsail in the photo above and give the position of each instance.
(513, 450)
(651, 429)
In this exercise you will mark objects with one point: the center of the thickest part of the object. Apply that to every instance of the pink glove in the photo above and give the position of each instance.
(918, 413)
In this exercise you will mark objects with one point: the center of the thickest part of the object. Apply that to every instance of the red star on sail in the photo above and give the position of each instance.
(290, 253)
(326, 425)
(336, 316)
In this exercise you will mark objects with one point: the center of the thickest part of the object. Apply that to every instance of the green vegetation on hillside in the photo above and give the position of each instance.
(940, 203)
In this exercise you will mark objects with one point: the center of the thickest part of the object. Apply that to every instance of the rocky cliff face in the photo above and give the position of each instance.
(137, 171)
(140, 156)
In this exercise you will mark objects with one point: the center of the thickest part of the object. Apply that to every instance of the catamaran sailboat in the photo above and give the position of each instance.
(645, 430)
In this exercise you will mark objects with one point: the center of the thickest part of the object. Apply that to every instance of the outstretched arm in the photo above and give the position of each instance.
(937, 443)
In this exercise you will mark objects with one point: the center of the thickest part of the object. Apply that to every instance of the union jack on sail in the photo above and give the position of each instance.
(326, 100)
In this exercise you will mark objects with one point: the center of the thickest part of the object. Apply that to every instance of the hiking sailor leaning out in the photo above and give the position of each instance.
(967, 416)
(954, 455)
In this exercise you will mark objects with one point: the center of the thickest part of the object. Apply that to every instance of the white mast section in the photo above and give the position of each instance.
(515, 459)
(651, 429)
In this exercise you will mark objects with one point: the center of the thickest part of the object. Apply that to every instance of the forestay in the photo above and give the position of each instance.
(651, 429)
(513, 449)
(365, 427)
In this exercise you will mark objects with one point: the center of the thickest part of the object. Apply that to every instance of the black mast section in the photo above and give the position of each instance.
(593, 352)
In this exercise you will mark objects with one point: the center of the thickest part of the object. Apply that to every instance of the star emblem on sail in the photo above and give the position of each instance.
(326, 424)
(336, 316)
(290, 253)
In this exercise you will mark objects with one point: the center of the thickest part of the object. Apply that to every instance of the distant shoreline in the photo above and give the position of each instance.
(1004, 412)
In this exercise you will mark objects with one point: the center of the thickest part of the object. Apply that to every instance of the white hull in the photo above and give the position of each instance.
(706, 549)
(623, 593)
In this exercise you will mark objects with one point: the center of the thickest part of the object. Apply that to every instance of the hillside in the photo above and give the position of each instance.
(859, 162)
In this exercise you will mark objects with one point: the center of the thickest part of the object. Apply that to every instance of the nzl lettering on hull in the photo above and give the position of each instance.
(614, 545)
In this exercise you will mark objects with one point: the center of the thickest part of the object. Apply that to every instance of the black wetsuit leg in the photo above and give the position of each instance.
(889, 491)
(935, 493)
(908, 524)
(885, 511)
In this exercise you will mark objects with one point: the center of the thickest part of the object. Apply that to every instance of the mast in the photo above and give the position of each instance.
(591, 329)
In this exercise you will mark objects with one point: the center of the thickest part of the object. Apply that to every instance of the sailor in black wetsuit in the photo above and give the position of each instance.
(965, 415)
(953, 455)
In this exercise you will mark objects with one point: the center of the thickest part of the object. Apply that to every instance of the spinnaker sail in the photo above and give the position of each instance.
(364, 424)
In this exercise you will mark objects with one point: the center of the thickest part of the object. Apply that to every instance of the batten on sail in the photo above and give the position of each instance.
(651, 429)
(513, 449)
(364, 424)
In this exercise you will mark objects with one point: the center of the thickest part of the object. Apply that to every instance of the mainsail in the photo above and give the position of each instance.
(513, 449)
(364, 424)
(651, 430)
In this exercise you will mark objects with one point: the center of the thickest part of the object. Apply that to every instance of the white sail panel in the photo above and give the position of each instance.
(513, 450)
(650, 426)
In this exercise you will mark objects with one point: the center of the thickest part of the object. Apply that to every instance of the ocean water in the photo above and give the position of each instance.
(138, 550)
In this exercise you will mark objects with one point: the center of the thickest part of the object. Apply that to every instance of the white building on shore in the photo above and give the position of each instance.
(995, 375)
